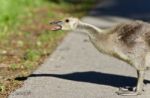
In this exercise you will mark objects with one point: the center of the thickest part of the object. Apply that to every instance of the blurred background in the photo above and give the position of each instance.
(131, 9)
(25, 38)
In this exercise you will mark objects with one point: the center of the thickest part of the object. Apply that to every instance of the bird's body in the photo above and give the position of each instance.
(129, 42)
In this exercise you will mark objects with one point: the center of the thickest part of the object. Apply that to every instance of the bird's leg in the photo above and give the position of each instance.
(140, 83)
(139, 87)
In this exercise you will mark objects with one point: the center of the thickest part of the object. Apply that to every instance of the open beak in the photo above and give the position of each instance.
(56, 25)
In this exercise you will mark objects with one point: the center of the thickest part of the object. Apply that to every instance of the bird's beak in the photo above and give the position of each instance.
(56, 25)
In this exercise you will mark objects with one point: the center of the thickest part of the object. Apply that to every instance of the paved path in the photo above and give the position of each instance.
(77, 70)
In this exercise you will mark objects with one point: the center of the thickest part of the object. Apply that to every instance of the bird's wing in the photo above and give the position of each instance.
(129, 32)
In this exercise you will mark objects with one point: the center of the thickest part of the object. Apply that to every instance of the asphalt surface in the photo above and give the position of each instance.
(77, 70)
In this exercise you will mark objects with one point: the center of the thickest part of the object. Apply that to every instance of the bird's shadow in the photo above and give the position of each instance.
(93, 77)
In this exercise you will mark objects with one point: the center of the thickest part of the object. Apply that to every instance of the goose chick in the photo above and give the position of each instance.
(129, 42)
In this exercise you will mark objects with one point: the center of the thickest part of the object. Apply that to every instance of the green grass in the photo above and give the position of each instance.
(2, 88)
(11, 10)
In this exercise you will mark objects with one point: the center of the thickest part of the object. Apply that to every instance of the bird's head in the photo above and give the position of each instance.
(65, 24)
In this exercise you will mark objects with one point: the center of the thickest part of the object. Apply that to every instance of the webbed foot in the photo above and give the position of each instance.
(128, 91)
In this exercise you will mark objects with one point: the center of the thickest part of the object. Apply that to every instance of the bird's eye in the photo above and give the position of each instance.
(67, 20)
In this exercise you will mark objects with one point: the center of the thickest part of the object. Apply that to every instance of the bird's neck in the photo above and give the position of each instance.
(100, 38)
(90, 29)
